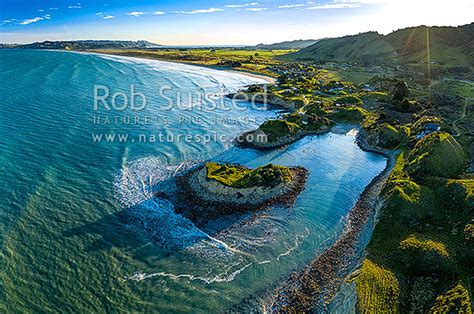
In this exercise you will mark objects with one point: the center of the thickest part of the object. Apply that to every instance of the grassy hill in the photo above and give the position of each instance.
(447, 45)
(288, 45)
(443, 46)
(363, 48)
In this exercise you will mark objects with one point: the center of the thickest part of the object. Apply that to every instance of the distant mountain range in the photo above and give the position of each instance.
(452, 46)
(85, 44)
(287, 45)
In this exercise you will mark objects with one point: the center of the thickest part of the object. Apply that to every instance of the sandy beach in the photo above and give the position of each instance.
(268, 79)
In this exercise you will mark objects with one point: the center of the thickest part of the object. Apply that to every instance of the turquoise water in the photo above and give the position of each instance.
(68, 243)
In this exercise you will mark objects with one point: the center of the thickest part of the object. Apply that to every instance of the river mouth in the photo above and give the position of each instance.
(67, 200)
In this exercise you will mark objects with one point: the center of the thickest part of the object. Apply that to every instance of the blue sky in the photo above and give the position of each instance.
(218, 22)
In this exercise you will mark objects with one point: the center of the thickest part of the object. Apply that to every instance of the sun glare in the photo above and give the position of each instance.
(403, 13)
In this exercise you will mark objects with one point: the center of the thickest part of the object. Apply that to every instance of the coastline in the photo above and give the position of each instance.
(331, 267)
(327, 267)
(281, 143)
(196, 201)
(313, 287)
(270, 80)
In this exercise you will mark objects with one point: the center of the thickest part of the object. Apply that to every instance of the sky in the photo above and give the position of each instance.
(219, 22)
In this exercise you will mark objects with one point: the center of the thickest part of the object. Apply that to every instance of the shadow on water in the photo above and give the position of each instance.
(111, 231)
(150, 226)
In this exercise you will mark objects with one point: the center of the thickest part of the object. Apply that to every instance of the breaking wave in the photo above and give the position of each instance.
(229, 252)
(135, 187)
(208, 280)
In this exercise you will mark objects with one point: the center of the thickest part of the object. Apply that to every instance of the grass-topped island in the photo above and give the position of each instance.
(215, 189)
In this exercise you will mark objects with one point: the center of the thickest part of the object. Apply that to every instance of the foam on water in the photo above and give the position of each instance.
(156, 217)
(230, 82)
(64, 184)
(208, 280)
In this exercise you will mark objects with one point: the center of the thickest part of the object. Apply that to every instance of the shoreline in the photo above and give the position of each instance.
(319, 280)
(326, 267)
(270, 80)
(281, 143)
(314, 286)
(196, 201)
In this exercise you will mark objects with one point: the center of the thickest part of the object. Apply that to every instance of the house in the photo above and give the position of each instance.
(429, 128)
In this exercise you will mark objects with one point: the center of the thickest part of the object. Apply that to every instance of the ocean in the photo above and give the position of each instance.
(79, 232)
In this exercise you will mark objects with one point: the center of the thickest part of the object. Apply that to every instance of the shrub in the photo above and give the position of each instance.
(314, 108)
(377, 289)
(413, 203)
(455, 300)
(348, 114)
(422, 295)
(420, 124)
(460, 194)
(242, 177)
(437, 154)
(469, 232)
(386, 135)
(349, 100)
(424, 256)
(407, 106)
(414, 243)
(400, 90)
(375, 97)
(313, 122)
(275, 129)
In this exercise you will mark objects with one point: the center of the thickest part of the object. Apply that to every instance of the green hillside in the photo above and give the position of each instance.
(288, 45)
(363, 48)
(448, 46)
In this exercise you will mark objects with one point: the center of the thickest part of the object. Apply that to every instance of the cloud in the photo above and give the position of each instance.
(344, 4)
(251, 4)
(108, 17)
(335, 6)
(135, 13)
(29, 21)
(289, 6)
(47, 17)
(53, 8)
(74, 7)
(40, 10)
(99, 13)
(140, 13)
(362, 1)
(255, 9)
(200, 11)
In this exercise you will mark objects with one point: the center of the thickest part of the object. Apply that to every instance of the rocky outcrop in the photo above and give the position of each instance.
(277, 133)
(268, 99)
(210, 198)
(257, 139)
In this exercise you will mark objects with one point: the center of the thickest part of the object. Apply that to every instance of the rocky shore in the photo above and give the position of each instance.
(200, 198)
(265, 98)
(313, 287)
(253, 139)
